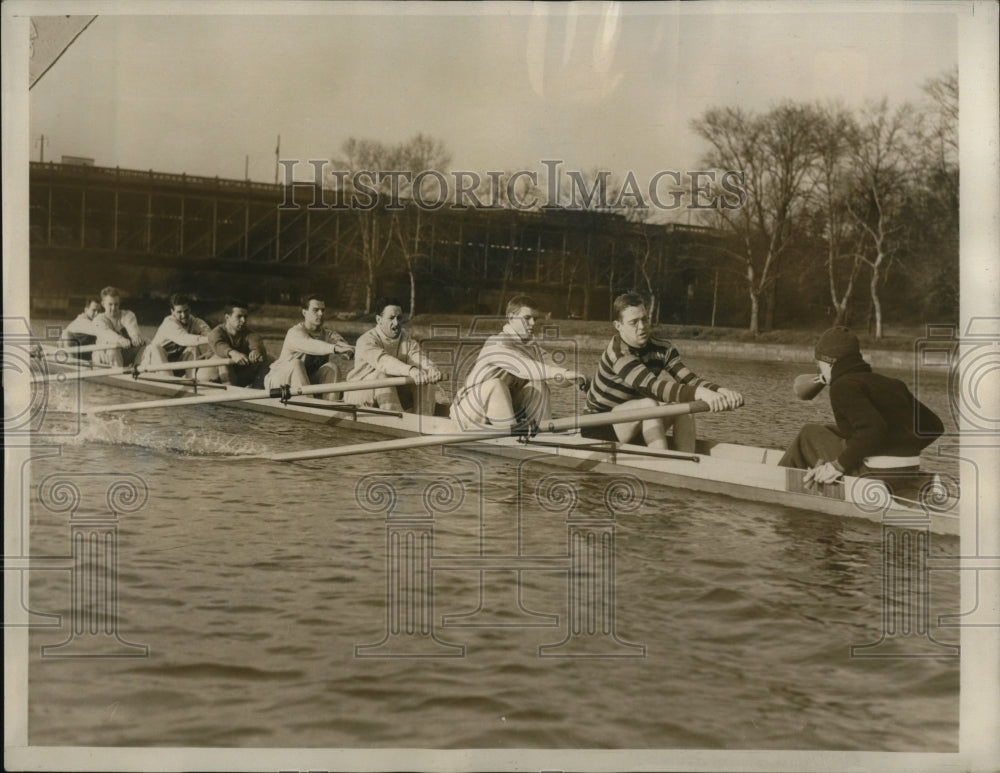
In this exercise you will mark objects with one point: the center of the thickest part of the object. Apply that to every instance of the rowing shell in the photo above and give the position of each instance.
(745, 472)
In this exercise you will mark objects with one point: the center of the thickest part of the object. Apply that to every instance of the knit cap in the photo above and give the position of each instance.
(835, 343)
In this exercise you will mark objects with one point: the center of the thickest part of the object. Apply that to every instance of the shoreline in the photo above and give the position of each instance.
(688, 347)
(759, 351)
(273, 330)
(901, 357)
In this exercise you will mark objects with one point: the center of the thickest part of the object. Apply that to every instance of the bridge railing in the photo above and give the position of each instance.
(117, 173)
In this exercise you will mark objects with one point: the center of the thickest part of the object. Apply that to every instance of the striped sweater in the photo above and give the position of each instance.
(654, 371)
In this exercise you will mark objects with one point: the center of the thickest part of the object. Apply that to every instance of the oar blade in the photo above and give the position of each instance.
(230, 395)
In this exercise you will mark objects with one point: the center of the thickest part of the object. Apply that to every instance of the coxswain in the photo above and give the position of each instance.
(880, 429)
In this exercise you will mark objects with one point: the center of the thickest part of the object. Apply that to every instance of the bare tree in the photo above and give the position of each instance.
(506, 191)
(940, 117)
(631, 228)
(388, 174)
(409, 231)
(639, 246)
(419, 155)
(362, 160)
(881, 162)
(932, 221)
(836, 133)
(775, 153)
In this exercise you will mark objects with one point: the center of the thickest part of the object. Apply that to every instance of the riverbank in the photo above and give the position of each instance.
(895, 350)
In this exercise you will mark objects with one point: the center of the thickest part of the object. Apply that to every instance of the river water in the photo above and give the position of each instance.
(256, 589)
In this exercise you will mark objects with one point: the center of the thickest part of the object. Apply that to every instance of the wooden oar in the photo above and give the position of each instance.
(127, 371)
(71, 348)
(555, 425)
(237, 394)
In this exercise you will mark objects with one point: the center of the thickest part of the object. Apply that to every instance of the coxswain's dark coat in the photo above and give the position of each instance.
(877, 415)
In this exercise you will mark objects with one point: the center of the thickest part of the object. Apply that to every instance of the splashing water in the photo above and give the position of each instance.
(115, 430)
(64, 417)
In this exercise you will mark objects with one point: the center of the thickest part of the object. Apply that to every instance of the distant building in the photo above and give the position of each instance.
(78, 160)
(151, 231)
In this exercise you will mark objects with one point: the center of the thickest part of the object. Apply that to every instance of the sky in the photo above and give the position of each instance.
(503, 86)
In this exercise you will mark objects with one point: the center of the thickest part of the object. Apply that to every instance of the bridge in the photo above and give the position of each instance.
(152, 233)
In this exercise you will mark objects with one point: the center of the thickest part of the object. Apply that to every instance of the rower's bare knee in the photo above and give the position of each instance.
(651, 430)
(329, 373)
(654, 434)
(208, 374)
(685, 433)
(297, 376)
(388, 399)
(498, 407)
(111, 357)
(152, 355)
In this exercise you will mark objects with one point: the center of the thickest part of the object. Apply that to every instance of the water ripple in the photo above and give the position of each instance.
(220, 671)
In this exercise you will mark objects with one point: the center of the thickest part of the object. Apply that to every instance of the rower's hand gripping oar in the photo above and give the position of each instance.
(237, 394)
(566, 424)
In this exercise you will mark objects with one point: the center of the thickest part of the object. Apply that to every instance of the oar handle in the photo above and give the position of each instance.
(343, 386)
(72, 348)
(619, 417)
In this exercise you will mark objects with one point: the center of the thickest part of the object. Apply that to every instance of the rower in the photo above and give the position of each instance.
(309, 351)
(880, 429)
(385, 351)
(639, 370)
(118, 328)
(233, 339)
(181, 337)
(82, 331)
(507, 386)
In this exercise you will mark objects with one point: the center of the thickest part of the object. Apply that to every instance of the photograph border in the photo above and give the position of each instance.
(979, 749)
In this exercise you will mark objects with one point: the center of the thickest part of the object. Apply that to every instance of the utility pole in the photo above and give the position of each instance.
(246, 168)
(41, 149)
(277, 156)
(715, 295)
